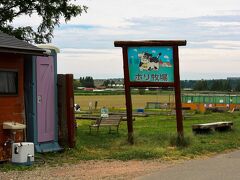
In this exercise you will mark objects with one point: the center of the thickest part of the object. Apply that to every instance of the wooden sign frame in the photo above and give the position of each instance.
(128, 84)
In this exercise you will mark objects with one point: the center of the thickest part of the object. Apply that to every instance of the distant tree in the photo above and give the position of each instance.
(227, 85)
(212, 85)
(87, 82)
(141, 91)
(237, 88)
(112, 83)
(217, 85)
(76, 84)
(188, 83)
(106, 83)
(201, 85)
(50, 12)
(234, 83)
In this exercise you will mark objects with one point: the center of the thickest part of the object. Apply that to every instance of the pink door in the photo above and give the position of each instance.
(45, 99)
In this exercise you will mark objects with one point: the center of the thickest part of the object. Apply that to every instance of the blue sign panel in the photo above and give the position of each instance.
(151, 64)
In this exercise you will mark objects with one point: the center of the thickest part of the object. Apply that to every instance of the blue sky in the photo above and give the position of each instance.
(211, 28)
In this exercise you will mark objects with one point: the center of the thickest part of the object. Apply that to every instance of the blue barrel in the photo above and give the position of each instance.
(140, 110)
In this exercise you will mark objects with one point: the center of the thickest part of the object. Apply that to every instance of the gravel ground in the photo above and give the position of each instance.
(90, 170)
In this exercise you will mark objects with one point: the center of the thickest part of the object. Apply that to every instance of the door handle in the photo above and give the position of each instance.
(39, 99)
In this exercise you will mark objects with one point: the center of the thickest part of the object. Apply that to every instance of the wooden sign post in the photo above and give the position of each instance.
(151, 64)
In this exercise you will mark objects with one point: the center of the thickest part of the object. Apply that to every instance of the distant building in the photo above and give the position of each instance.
(187, 89)
(118, 82)
(88, 89)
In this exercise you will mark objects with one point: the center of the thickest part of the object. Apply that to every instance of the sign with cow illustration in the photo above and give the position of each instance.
(151, 64)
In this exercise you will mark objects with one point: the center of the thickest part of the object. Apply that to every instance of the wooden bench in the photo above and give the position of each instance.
(207, 127)
(112, 121)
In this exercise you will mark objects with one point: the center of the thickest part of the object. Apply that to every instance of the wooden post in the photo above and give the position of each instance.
(70, 111)
(62, 112)
(177, 86)
(128, 96)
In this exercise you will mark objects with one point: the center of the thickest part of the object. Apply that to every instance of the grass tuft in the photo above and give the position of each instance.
(179, 141)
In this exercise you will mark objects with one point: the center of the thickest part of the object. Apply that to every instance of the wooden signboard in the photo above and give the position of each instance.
(151, 64)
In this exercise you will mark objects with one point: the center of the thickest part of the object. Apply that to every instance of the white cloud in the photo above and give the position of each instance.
(219, 24)
(220, 44)
(113, 13)
(211, 29)
(195, 63)
(209, 63)
(99, 63)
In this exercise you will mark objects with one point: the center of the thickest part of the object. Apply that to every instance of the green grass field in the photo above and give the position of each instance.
(155, 138)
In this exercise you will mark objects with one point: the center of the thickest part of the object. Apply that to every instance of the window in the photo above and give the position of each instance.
(8, 82)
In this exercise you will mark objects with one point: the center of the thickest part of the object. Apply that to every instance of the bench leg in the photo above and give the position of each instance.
(90, 129)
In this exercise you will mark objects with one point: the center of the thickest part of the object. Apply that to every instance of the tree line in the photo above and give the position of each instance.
(230, 85)
(212, 85)
(88, 82)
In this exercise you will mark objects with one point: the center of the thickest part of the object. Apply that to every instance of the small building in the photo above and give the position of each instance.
(42, 100)
(12, 98)
(30, 98)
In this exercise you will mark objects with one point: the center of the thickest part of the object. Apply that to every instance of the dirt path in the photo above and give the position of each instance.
(90, 170)
(223, 166)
